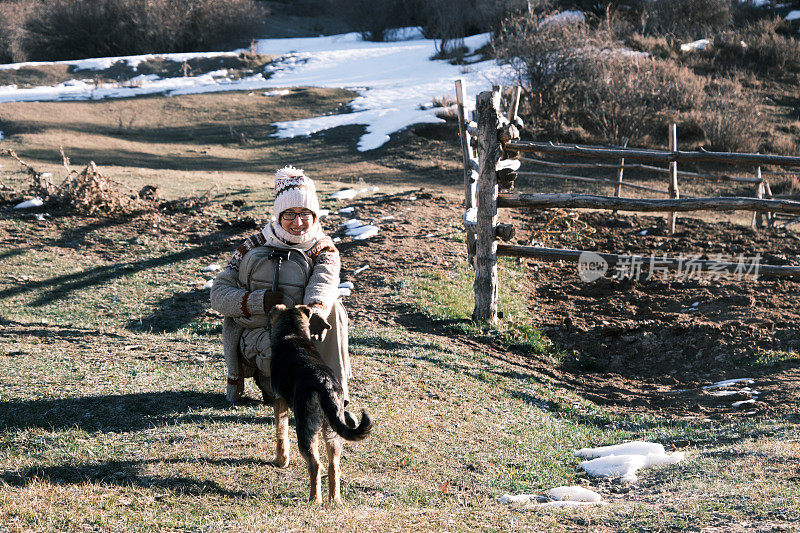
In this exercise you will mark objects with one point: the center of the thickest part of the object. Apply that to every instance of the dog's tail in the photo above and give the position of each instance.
(341, 422)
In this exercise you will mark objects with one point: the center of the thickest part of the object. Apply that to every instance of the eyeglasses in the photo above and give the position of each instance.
(307, 216)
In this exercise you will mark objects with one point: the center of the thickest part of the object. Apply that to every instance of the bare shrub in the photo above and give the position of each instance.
(762, 46)
(374, 18)
(730, 118)
(623, 99)
(576, 76)
(687, 18)
(70, 29)
(545, 58)
(12, 17)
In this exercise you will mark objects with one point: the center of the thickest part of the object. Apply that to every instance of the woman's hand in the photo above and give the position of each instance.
(271, 299)
(318, 326)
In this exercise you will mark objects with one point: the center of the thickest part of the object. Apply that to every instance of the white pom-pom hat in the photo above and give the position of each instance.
(294, 189)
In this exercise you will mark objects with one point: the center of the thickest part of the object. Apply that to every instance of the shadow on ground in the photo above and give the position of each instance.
(127, 473)
(119, 413)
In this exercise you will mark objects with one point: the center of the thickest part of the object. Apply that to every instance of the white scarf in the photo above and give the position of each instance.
(274, 232)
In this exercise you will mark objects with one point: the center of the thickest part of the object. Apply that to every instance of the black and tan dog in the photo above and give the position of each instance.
(301, 380)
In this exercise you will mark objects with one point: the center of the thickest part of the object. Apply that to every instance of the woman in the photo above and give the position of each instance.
(308, 273)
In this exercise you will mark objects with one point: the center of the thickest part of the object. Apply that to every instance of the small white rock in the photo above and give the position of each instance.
(213, 267)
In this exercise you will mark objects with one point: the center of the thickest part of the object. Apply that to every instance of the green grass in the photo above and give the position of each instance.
(448, 299)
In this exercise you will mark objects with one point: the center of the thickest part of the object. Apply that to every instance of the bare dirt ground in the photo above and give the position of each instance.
(648, 344)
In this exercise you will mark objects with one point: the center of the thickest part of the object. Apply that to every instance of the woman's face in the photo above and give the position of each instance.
(296, 220)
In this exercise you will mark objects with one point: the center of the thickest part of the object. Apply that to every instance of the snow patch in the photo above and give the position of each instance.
(346, 210)
(213, 267)
(623, 460)
(573, 493)
(627, 448)
(344, 194)
(696, 46)
(209, 284)
(283, 92)
(570, 16)
(352, 223)
(362, 232)
(793, 15)
(727, 382)
(27, 204)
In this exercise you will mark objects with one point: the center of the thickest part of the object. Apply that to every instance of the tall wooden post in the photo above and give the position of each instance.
(486, 284)
(673, 174)
(470, 176)
(512, 111)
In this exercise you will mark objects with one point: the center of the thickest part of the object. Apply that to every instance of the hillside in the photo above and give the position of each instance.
(112, 413)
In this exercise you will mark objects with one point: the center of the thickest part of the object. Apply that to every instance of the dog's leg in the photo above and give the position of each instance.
(311, 455)
(281, 432)
(333, 443)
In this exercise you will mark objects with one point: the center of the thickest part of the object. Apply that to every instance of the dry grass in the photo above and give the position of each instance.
(112, 410)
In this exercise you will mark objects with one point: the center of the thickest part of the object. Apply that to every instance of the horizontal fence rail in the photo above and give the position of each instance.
(661, 156)
(587, 201)
(649, 168)
(672, 263)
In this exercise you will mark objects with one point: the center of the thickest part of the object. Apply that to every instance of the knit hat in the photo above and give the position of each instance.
(294, 189)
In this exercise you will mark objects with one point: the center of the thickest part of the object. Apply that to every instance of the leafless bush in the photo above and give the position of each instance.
(729, 118)
(68, 29)
(374, 18)
(578, 79)
(12, 17)
(545, 58)
(764, 46)
(686, 18)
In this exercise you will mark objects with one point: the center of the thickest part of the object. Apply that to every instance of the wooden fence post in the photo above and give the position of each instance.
(757, 220)
(673, 174)
(767, 194)
(486, 283)
(469, 174)
(620, 172)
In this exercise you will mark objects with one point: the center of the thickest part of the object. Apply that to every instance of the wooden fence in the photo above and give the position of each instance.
(492, 151)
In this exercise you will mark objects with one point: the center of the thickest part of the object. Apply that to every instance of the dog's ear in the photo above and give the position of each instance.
(306, 310)
(273, 314)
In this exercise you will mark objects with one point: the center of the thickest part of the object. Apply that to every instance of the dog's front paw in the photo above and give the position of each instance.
(280, 461)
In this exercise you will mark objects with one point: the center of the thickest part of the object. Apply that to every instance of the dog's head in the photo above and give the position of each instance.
(283, 321)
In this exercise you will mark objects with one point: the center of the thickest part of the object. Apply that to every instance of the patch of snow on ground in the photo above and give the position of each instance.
(103, 63)
(344, 194)
(793, 15)
(362, 232)
(278, 92)
(573, 493)
(393, 80)
(1, 135)
(565, 17)
(695, 46)
(27, 204)
(624, 460)
(727, 382)
(629, 448)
